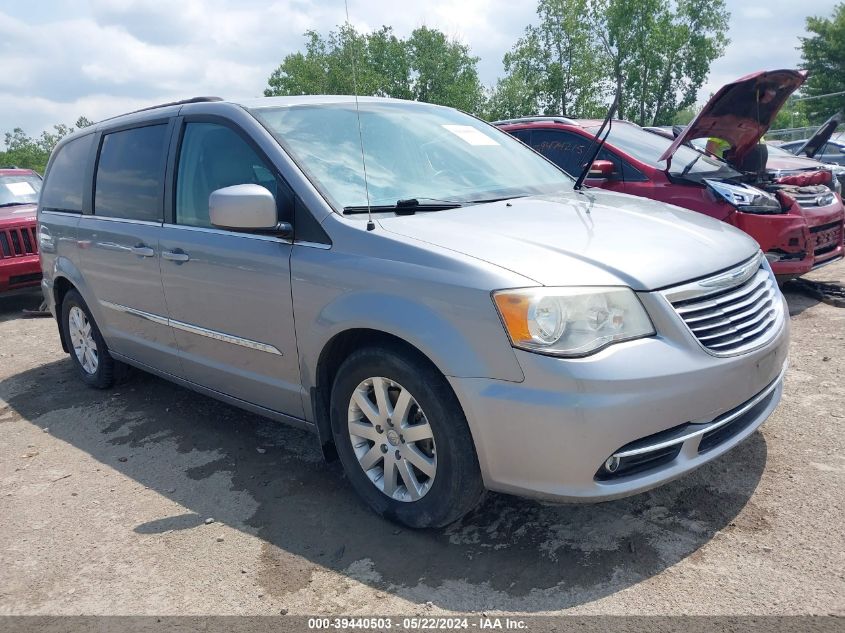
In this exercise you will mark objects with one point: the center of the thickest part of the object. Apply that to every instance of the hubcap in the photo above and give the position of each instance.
(392, 439)
(82, 340)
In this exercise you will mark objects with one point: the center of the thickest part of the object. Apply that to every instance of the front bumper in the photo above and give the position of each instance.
(826, 233)
(785, 238)
(19, 272)
(550, 435)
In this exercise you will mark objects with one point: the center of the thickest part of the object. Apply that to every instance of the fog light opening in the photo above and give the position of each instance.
(612, 464)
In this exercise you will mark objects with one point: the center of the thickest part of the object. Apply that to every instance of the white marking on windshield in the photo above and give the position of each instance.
(470, 135)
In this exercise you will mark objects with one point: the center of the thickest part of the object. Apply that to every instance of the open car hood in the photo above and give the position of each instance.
(742, 111)
(822, 135)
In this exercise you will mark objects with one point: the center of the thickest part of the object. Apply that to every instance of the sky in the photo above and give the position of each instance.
(65, 58)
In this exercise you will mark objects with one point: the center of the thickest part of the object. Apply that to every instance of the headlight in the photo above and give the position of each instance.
(571, 321)
(744, 197)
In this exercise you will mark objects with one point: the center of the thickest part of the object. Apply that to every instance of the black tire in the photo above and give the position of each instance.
(107, 367)
(457, 486)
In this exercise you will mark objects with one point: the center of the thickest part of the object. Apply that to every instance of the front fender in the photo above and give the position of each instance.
(443, 341)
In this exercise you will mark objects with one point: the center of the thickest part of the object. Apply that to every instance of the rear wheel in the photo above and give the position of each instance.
(88, 351)
(403, 439)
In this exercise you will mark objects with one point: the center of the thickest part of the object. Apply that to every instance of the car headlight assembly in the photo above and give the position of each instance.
(744, 197)
(571, 321)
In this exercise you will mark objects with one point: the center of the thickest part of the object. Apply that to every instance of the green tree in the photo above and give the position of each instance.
(443, 71)
(556, 67)
(661, 52)
(823, 55)
(570, 63)
(27, 152)
(793, 114)
(684, 116)
(427, 66)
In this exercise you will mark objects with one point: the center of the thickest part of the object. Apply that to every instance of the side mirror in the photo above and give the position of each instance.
(245, 207)
(601, 169)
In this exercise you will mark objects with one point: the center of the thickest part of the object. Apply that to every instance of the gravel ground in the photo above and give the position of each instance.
(150, 499)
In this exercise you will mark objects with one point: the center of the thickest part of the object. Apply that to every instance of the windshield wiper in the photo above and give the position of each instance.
(686, 169)
(408, 206)
(14, 204)
(595, 147)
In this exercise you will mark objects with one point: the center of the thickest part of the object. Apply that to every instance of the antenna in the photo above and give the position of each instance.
(370, 224)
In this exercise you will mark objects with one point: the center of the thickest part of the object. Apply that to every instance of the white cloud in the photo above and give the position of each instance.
(101, 57)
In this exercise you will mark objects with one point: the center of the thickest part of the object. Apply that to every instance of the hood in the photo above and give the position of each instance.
(822, 135)
(779, 163)
(18, 212)
(741, 112)
(593, 237)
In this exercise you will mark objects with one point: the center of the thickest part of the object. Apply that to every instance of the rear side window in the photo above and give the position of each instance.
(566, 150)
(130, 174)
(66, 181)
(522, 135)
(569, 151)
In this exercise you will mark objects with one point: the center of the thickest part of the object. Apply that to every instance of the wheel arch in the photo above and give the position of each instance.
(61, 286)
(334, 353)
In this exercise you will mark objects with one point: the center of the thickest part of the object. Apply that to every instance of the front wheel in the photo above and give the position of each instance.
(88, 351)
(403, 439)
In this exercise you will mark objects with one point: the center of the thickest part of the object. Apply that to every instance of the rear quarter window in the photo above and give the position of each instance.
(65, 181)
(130, 174)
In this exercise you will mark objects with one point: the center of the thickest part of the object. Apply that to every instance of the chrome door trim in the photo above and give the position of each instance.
(195, 329)
(149, 316)
(214, 231)
(226, 338)
(308, 244)
(122, 220)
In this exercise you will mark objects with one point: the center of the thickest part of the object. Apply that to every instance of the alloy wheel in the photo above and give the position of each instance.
(392, 439)
(82, 340)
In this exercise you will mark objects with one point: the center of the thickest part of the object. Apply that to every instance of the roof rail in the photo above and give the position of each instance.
(169, 103)
(536, 118)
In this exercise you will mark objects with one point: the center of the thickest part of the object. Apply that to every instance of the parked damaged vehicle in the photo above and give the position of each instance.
(456, 317)
(798, 226)
(19, 266)
(782, 166)
(822, 145)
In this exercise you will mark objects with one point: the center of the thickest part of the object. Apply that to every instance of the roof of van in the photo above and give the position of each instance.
(251, 103)
(259, 102)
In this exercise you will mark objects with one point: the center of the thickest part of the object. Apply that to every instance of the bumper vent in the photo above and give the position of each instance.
(18, 242)
(733, 312)
(826, 238)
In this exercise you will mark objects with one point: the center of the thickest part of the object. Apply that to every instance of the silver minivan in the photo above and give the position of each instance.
(430, 297)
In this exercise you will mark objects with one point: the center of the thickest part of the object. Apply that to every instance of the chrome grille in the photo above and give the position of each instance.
(733, 312)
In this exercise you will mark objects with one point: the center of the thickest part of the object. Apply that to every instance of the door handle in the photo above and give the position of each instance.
(143, 251)
(177, 256)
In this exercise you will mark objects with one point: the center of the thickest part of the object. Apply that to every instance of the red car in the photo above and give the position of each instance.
(19, 266)
(738, 191)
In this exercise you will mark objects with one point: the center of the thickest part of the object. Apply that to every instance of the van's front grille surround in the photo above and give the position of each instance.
(733, 312)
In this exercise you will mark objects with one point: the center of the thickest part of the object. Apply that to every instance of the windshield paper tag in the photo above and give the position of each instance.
(470, 135)
(20, 188)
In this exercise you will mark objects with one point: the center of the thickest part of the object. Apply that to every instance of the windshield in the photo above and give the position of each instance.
(413, 151)
(648, 147)
(774, 150)
(19, 189)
